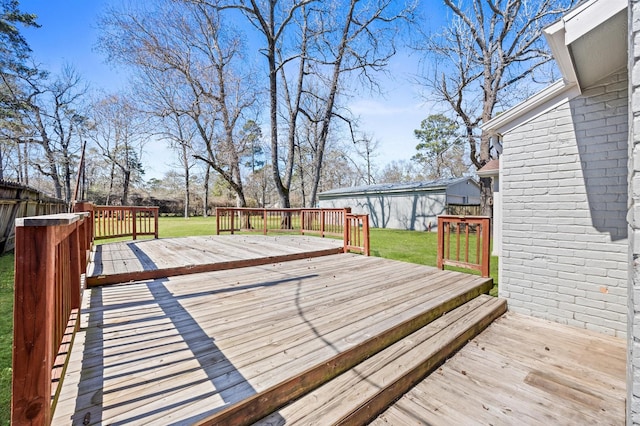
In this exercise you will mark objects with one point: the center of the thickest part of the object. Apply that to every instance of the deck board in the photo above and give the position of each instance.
(523, 370)
(177, 349)
(148, 259)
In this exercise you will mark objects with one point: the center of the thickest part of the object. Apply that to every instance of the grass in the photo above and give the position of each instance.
(6, 335)
(416, 247)
(408, 246)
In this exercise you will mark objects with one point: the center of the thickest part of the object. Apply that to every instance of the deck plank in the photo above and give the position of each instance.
(526, 371)
(150, 259)
(187, 346)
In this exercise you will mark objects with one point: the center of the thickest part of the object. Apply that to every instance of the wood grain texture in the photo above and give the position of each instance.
(179, 349)
(151, 259)
(523, 370)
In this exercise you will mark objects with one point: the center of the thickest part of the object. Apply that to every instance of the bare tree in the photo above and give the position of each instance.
(362, 42)
(55, 117)
(487, 48)
(120, 133)
(184, 44)
(311, 56)
(366, 148)
(401, 171)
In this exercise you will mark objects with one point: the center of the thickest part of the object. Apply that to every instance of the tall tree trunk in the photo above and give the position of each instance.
(187, 192)
(206, 190)
(67, 177)
(2, 164)
(25, 164)
(125, 187)
(302, 181)
(112, 177)
(328, 113)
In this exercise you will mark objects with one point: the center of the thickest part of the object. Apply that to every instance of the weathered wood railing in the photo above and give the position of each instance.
(356, 233)
(333, 222)
(122, 221)
(322, 221)
(470, 238)
(50, 258)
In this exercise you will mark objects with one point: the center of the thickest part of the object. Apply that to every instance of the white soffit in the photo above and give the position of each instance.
(588, 44)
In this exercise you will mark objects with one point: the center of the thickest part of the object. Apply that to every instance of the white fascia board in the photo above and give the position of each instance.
(555, 35)
(574, 25)
(585, 18)
(543, 101)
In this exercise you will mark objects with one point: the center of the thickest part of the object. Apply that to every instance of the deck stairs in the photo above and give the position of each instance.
(355, 386)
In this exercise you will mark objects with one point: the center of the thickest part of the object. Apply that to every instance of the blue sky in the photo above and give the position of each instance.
(68, 34)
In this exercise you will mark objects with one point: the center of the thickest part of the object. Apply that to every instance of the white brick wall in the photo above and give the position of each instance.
(633, 293)
(564, 195)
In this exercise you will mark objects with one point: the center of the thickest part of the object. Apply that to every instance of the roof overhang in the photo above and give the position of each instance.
(588, 44)
(549, 98)
(361, 193)
(491, 169)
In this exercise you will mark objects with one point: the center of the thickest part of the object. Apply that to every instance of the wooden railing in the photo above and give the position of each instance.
(321, 221)
(50, 258)
(333, 222)
(356, 233)
(122, 221)
(464, 241)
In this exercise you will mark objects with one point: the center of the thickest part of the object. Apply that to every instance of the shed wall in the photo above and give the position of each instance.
(564, 195)
(412, 211)
(465, 192)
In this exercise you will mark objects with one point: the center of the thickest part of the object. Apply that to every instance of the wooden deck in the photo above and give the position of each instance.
(345, 335)
(148, 259)
(526, 371)
(175, 350)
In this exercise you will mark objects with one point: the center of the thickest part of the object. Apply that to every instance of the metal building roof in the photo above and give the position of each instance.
(435, 185)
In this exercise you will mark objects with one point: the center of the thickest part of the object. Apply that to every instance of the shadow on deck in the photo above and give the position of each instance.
(237, 346)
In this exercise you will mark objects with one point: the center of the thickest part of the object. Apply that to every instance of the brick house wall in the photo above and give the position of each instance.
(633, 335)
(564, 197)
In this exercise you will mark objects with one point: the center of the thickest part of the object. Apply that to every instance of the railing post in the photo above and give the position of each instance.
(365, 231)
(347, 228)
(265, 216)
(301, 222)
(486, 247)
(156, 213)
(134, 228)
(33, 328)
(217, 221)
(440, 263)
(232, 220)
(322, 219)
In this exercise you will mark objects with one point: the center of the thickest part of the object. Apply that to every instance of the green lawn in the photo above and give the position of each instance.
(6, 335)
(416, 247)
(407, 246)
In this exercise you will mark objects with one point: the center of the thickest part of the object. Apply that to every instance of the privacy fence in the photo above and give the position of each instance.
(17, 201)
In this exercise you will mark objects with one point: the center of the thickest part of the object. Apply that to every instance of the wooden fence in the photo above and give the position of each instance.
(18, 201)
(465, 241)
(50, 257)
(331, 222)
